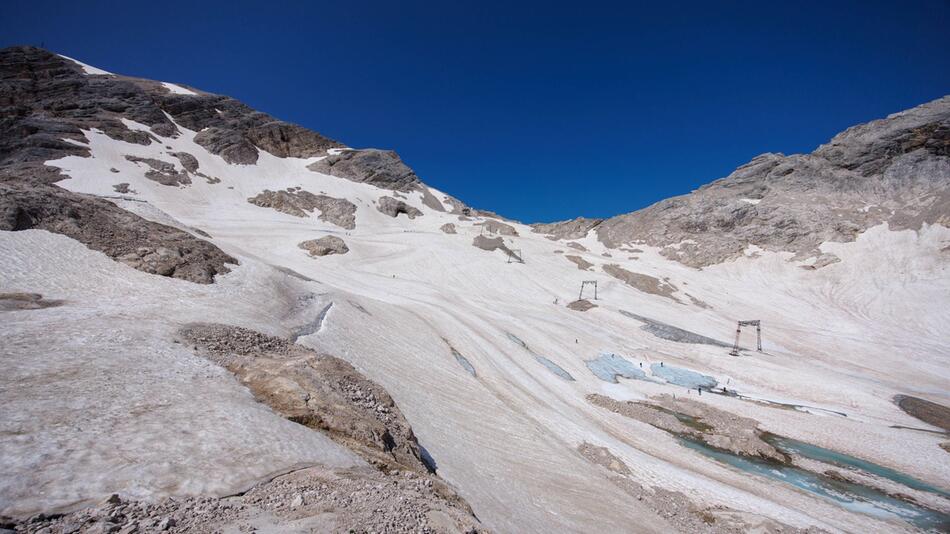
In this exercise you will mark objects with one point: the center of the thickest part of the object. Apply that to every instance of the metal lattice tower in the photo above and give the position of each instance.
(584, 284)
(758, 335)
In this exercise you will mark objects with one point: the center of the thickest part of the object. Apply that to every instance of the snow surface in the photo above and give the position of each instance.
(845, 337)
(88, 69)
(178, 90)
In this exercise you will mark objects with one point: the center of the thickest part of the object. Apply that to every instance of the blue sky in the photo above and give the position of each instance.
(539, 111)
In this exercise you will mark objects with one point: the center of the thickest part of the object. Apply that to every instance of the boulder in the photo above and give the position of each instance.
(325, 246)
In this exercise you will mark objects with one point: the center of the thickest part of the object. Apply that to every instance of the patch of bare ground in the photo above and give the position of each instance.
(679, 509)
(683, 417)
(925, 410)
(315, 499)
(581, 305)
(26, 301)
(642, 282)
(581, 263)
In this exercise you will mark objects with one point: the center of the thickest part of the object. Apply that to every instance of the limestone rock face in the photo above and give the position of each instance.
(103, 226)
(45, 98)
(573, 229)
(894, 170)
(162, 172)
(382, 168)
(642, 282)
(299, 203)
(324, 246)
(316, 390)
(392, 207)
(581, 263)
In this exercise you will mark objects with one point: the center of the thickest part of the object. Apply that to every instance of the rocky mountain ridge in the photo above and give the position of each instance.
(894, 170)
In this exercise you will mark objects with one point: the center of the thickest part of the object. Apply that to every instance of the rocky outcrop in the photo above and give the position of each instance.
(317, 390)
(162, 172)
(581, 263)
(641, 282)
(299, 203)
(45, 98)
(684, 417)
(448, 228)
(581, 305)
(382, 168)
(490, 243)
(895, 170)
(189, 162)
(574, 229)
(119, 234)
(392, 207)
(429, 200)
(495, 227)
(324, 246)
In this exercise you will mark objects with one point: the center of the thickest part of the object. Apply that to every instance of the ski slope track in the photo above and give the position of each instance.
(98, 396)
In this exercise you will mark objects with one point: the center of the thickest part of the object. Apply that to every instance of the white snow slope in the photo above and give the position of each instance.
(112, 405)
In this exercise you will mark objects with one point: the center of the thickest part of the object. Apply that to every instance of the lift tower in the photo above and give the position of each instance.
(758, 335)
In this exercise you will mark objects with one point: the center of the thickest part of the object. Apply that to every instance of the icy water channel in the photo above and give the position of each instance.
(848, 495)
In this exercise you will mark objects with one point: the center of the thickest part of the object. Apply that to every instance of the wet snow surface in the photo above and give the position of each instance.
(96, 398)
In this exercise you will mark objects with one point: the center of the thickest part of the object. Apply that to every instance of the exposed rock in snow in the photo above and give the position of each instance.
(581, 305)
(381, 168)
(123, 188)
(448, 228)
(392, 207)
(325, 245)
(316, 390)
(299, 203)
(490, 243)
(642, 282)
(430, 200)
(577, 246)
(189, 162)
(26, 301)
(581, 263)
(162, 172)
(574, 229)
(494, 227)
(715, 427)
(103, 226)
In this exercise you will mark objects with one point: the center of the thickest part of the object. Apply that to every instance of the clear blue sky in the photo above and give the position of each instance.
(539, 112)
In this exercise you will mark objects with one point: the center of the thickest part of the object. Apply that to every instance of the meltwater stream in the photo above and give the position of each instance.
(848, 495)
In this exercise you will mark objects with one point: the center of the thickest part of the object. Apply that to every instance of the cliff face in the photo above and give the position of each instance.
(894, 170)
